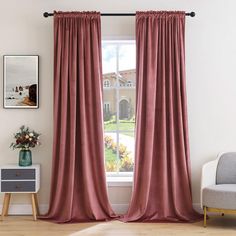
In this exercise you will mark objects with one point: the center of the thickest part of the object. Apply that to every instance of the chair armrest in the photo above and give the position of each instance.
(208, 175)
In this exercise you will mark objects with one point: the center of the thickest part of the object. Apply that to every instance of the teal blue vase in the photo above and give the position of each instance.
(25, 157)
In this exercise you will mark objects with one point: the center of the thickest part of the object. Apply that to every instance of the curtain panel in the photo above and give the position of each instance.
(162, 190)
(78, 184)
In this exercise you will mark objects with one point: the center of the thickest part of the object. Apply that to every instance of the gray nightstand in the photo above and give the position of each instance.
(17, 179)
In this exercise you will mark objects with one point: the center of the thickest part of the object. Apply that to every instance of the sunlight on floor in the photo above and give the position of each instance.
(217, 225)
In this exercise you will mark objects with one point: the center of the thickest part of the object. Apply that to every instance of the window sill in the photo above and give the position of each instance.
(120, 181)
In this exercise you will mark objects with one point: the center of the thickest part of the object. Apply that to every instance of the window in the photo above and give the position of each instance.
(119, 106)
(106, 83)
(129, 83)
(106, 107)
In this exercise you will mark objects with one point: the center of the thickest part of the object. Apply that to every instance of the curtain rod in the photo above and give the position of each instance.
(47, 14)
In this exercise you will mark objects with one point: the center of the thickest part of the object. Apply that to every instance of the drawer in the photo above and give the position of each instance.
(15, 174)
(18, 186)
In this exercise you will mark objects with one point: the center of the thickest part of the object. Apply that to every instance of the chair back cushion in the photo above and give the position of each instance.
(226, 169)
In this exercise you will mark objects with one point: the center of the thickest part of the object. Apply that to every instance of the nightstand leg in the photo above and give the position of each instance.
(8, 203)
(5, 206)
(36, 203)
(34, 207)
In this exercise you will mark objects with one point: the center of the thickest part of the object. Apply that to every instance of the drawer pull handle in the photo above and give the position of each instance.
(17, 174)
(17, 186)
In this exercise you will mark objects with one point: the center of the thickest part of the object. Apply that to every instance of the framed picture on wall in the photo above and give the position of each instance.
(21, 81)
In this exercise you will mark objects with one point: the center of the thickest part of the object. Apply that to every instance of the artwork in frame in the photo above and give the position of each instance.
(21, 81)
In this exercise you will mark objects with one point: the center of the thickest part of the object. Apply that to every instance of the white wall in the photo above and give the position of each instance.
(211, 74)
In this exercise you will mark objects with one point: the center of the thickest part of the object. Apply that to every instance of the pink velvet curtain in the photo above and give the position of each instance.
(78, 187)
(162, 190)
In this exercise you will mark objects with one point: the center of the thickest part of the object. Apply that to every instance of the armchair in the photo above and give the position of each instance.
(218, 185)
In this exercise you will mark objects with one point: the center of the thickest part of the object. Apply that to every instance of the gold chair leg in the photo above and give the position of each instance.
(205, 216)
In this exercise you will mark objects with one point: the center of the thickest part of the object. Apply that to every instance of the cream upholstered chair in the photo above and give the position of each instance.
(218, 185)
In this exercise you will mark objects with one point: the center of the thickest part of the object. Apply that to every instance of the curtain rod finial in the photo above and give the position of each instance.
(46, 14)
(192, 14)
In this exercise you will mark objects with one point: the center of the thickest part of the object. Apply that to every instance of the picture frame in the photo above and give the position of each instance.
(21, 81)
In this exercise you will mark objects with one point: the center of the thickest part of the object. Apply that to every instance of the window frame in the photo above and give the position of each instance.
(119, 178)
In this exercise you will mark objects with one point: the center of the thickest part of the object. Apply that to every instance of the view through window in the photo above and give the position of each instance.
(118, 58)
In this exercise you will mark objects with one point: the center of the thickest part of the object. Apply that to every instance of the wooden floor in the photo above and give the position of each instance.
(24, 225)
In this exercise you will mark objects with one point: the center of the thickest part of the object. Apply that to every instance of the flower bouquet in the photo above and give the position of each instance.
(24, 140)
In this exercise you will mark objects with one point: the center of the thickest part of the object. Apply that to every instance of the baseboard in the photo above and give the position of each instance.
(120, 208)
(26, 209)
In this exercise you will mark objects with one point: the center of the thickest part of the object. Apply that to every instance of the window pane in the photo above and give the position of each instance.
(126, 153)
(127, 56)
(127, 100)
(124, 162)
(127, 81)
(111, 160)
(109, 109)
(108, 58)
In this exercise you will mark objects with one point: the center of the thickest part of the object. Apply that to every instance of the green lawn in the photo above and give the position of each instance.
(110, 156)
(122, 126)
(126, 126)
(129, 134)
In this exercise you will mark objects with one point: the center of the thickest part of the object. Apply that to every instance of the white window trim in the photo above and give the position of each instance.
(127, 40)
(121, 179)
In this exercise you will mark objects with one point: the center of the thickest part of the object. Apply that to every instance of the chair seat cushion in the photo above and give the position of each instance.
(221, 196)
